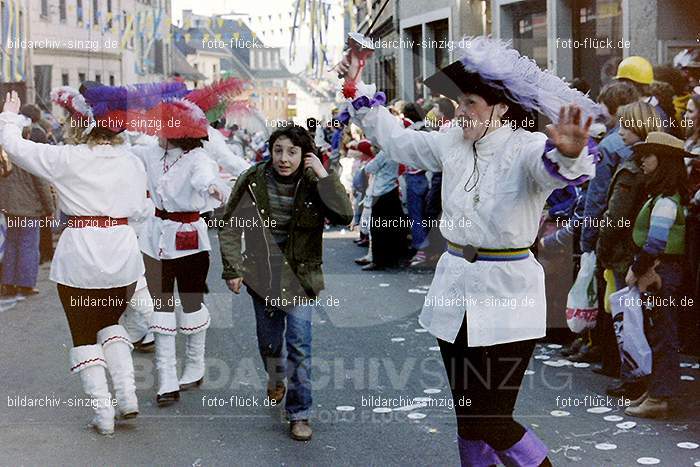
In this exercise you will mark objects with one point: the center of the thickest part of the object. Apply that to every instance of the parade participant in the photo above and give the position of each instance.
(659, 266)
(183, 181)
(279, 207)
(100, 185)
(486, 304)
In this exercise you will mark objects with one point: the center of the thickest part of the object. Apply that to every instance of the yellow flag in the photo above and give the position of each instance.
(150, 17)
(128, 30)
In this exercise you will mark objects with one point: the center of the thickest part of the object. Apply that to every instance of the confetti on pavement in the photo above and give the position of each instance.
(613, 418)
(606, 446)
(599, 410)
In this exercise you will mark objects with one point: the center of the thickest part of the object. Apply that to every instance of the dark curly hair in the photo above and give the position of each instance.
(297, 135)
(669, 178)
(188, 144)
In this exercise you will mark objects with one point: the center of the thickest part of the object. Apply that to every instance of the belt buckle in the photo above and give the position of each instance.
(470, 253)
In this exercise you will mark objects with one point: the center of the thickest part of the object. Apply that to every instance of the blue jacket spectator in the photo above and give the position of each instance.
(612, 151)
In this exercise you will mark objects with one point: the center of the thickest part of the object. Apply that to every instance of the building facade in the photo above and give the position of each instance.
(421, 38)
(114, 42)
(588, 38)
(14, 27)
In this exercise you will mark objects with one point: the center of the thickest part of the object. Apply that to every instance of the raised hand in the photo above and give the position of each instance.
(567, 134)
(314, 163)
(12, 102)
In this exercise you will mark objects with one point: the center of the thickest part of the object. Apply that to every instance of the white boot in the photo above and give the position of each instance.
(194, 326)
(137, 315)
(117, 350)
(89, 362)
(164, 327)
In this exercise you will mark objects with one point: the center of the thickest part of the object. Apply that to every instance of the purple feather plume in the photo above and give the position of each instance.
(104, 99)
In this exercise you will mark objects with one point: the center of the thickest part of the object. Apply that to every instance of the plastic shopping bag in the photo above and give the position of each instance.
(582, 301)
(628, 320)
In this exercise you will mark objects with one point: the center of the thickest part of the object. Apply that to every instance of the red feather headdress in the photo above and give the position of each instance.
(210, 96)
(172, 119)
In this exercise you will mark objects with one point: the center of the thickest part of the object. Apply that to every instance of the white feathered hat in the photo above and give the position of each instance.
(494, 70)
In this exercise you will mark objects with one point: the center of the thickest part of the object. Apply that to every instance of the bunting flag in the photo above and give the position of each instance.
(7, 54)
(128, 31)
(168, 27)
(19, 52)
(311, 15)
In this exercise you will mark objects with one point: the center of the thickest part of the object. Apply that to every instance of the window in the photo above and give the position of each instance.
(79, 11)
(599, 20)
(81, 77)
(111, 80)
(62, 10)
(44, 8)
(95, 12)
(441, 32)
(109, 14)
(98, 77)
(64, 79)
(213, 69)
(158, 59)
(530, 31)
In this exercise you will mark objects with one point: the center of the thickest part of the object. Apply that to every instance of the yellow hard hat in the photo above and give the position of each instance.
(637, 69)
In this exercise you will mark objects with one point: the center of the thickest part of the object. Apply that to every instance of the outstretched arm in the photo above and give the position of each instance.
(420, 149)
(566, 159)
(42, 160)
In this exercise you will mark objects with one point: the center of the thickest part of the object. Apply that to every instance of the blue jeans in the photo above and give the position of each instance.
(663, 331)
(296, 364)
(416, 195)
(20, 264)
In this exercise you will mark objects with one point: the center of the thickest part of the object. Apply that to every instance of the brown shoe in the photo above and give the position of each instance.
(638, 402)
(651, 407)
(276, 392)
(27, 291)
(300, 430)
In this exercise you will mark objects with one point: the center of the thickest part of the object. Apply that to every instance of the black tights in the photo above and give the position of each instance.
(490, 378)
(89, 310)
(189, 271)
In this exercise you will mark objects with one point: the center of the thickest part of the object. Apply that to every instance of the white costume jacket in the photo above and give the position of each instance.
(503, 301)
(177, 182)
(102, 180)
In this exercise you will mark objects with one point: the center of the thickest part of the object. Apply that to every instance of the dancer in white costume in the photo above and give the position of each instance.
(486, 304)
(97, 261)
(183, 181)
